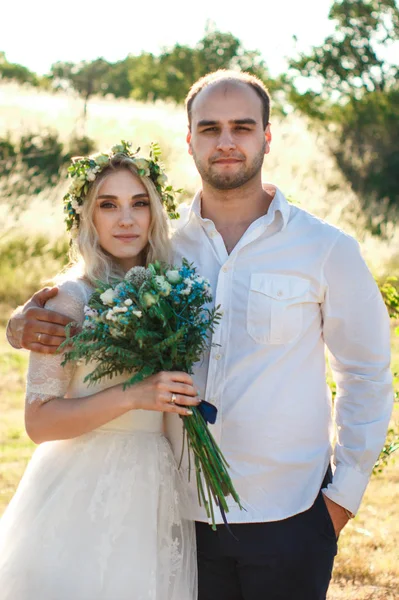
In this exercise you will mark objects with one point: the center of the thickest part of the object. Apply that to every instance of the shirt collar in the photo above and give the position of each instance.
(279, 204)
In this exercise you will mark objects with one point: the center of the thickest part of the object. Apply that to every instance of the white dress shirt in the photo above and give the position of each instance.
(292, 286)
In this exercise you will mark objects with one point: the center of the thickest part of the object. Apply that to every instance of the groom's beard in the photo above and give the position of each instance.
(230, 181)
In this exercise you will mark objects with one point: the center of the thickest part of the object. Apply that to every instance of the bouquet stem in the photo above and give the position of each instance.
(210, 466)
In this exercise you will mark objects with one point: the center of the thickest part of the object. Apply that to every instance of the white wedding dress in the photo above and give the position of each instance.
(100, 516)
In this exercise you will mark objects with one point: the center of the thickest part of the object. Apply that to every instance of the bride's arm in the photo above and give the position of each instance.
(49, 415)
(63, 418)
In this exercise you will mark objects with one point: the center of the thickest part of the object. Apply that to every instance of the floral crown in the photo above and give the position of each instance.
(84, 170)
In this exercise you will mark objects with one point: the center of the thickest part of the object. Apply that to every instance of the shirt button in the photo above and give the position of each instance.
(218, 356)
(213, 233)
(280, 293)
(225, 269)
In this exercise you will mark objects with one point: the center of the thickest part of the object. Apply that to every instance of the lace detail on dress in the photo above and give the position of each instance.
(46, 378)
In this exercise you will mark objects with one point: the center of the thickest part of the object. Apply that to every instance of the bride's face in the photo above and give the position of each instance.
(122, 217)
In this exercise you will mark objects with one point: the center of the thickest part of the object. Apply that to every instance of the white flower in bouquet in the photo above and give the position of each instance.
(149, 299)
(187, 290)
(138, 275)
(108, 297)
(110, 316)
(120, 309)
(164, 286)
(173, 276)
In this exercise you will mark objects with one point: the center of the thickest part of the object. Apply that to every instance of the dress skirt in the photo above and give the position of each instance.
(99, 517)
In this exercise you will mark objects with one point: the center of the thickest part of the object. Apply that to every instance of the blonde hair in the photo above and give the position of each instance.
(88, 259)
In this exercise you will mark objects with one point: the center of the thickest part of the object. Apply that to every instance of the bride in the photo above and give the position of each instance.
(98, 514)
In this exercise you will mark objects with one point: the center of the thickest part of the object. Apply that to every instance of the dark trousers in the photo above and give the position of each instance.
(279, 560)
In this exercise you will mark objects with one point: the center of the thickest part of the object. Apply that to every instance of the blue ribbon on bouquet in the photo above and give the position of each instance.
(209, 413)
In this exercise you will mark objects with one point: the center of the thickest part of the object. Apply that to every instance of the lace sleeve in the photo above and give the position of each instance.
(46, 378)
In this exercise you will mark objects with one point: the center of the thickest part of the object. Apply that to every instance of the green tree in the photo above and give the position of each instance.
(359, 93)
(16, 72)
(87, 78)
(349, 62)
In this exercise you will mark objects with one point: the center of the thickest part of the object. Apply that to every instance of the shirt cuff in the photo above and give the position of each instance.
(347, 488)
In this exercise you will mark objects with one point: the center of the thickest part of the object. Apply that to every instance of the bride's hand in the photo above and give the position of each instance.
(167, 391)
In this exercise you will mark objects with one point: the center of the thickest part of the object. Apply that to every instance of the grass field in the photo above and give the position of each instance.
(367, 563)
(32, 249)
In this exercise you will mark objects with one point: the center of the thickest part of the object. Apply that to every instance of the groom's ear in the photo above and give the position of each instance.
(188, 140)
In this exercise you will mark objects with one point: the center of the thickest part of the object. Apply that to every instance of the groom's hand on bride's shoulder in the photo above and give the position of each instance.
(36, 328)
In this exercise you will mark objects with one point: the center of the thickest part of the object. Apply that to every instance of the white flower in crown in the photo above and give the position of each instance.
(76, 207)
(100, 159)
(118, 149)
(162, 179)
(91, 175)
(108, 297)
(138, 313)
(142, 165)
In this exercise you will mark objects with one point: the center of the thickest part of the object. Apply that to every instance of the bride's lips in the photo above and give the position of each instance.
(126, 237)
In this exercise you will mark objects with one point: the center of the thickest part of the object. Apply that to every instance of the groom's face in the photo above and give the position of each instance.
(227, 139)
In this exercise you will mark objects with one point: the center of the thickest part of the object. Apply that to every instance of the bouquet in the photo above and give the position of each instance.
(155, 320)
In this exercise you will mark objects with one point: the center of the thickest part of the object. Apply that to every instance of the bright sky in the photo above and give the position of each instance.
(40, 32)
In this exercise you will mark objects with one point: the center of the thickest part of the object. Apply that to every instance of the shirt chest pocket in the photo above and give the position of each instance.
(275, 307)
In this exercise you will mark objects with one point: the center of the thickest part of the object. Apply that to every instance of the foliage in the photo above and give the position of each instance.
(87, 78)
(358, 94)
(390, 294)
(16, 72)
(366, 148)
(348, 61)
(165, 77)
(34, 162)
(156, 320)
(26, 263)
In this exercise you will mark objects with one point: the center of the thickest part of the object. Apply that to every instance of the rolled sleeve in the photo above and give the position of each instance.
(357, 334)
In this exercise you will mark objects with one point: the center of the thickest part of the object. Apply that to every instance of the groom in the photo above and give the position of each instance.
(289, 285)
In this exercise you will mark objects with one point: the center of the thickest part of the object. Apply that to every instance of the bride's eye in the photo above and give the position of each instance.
(141, 203)
(107, 204)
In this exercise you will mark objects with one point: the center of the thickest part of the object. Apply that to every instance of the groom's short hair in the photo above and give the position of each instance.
(230, 76)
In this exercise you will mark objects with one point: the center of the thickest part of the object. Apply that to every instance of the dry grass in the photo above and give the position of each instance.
(367, 563)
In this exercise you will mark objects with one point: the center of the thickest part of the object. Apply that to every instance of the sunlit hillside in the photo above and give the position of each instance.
(298, 163)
